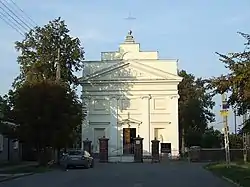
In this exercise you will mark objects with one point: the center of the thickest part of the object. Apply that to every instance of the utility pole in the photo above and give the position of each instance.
(235, 110)
(224, 114)
(58, 66)
(235, 122)
(245, 136)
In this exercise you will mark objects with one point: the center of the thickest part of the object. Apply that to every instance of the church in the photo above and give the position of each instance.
(127, 93)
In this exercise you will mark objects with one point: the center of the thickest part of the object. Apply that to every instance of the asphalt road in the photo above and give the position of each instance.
(172, 174)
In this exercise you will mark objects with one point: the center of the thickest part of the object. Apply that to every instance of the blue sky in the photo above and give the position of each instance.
(191, 31)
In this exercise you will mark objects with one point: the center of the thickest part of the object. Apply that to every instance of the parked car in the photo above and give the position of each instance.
(77, 158)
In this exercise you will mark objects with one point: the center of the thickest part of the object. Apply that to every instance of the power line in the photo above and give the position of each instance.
(9, 17)
(9, 21)
(32, 22)
(18, 23)
(20, 20)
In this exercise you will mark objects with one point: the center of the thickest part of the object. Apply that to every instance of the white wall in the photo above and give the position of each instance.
(145, 87)
(165, 118)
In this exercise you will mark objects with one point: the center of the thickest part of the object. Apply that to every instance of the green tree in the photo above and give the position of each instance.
(39, 53)
(6, 118)
(236, 83)
(212, 138)
(236, 141)
(48, 113)
(195, 106)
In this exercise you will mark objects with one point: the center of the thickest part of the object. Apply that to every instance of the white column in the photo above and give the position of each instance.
(175, 125)
(146, 127)
(85, 122)
(113, 131)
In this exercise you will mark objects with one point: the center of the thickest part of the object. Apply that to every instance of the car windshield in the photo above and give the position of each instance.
(75, 152)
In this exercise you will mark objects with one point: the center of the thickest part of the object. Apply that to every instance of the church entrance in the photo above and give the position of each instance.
(128, 140)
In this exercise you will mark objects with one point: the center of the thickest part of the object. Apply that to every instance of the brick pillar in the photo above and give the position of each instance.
(155, 150)
(87, 145)
(138, 149)
(103, 152)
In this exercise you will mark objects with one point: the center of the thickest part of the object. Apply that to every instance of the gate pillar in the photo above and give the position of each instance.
(138, 149)
(103, 152)
(155, 151)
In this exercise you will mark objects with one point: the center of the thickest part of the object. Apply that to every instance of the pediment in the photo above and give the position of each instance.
(130, 71)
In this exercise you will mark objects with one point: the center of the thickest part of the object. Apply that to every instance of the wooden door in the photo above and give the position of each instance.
(127, 135)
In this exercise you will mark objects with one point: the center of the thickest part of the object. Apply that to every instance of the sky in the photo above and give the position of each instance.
(191, 31)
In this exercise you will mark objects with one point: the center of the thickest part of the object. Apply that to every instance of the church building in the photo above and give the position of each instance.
(130, 92)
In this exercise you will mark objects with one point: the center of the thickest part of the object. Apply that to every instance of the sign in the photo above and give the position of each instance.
(137, 142)
(224, 113)
(165, 147)
(225, 105)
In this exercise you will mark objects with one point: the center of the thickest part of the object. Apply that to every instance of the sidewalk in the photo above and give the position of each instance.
(9, 176)
(17, 166)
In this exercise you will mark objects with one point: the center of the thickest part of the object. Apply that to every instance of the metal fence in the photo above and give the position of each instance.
(216, 155)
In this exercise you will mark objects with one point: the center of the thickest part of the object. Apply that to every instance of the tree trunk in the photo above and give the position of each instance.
(182, 141)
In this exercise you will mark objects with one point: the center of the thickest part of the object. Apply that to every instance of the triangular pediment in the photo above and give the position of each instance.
(130, 121)
(131, 71)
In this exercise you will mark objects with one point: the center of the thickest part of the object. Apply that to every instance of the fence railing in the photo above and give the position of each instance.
(127, 149)
(217, 154)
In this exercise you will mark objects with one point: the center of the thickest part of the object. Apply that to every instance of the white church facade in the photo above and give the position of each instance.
(128, 93)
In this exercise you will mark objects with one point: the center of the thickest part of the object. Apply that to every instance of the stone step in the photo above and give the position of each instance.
(123, 158)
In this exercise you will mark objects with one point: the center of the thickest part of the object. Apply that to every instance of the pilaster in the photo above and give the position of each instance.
(85, 121)
(175, 124)
(147, 132)
(113, 127)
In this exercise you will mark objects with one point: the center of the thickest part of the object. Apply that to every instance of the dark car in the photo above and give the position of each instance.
(77, 158)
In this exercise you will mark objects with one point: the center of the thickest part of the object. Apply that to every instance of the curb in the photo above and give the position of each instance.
(231, 181)
(15, 177)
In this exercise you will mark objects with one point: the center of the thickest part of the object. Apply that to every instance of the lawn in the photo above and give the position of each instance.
(240, 174)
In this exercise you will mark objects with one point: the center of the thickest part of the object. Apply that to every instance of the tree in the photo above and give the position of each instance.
(39, 53)
(195, 106)
(47, 113)
(236, 83)
(6, 126)
(236, 141)
(5, 109)
(212, 138)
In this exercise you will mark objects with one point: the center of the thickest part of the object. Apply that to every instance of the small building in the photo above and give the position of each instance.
(10, 149)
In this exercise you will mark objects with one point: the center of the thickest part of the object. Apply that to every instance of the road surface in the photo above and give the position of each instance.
(172, 174)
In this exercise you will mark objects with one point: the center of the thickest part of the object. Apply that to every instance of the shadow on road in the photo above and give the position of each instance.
(174, 174)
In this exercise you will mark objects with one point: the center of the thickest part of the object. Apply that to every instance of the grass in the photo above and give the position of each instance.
(27, 169)
(240, 174)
